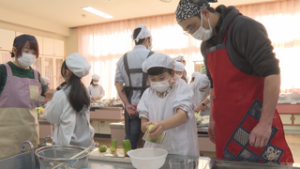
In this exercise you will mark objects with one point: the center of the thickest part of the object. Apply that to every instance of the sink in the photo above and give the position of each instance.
(20, 161)
(108, 165)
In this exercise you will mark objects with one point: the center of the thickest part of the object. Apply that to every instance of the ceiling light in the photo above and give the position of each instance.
(97, 12)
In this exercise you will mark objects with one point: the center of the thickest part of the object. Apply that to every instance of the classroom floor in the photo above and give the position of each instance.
(293, 141)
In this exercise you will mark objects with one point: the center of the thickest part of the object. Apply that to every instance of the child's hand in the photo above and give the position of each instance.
(49, 94)
(197, 109)
(147, 124)
(200, 108)
(156, 130)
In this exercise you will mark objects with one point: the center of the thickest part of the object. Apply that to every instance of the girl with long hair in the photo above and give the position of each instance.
(69, 108)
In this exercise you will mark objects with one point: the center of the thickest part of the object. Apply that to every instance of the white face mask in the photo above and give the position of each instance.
(95, 83)
(26, 60)
(178, 76)
(160, 86)
(149, 47)
(202, 33)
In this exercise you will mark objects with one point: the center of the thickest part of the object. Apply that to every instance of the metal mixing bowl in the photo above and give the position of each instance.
(51, 156)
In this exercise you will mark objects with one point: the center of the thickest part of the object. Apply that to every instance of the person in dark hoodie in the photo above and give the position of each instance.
(245, 82)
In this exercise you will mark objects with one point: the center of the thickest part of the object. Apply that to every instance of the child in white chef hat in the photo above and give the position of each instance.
(169, 105)
(96, 91)
(179, 68)
(47, 80)
(69, 108)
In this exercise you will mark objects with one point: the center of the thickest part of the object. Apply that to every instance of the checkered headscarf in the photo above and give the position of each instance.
(189, 8)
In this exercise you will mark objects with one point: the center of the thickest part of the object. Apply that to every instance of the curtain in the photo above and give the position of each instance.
(282, 21)
(104, 44)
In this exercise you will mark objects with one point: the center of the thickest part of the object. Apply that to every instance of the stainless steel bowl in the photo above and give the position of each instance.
(51, 156)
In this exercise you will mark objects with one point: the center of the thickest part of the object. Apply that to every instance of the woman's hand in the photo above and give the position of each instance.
(49, 94)
(156, 130)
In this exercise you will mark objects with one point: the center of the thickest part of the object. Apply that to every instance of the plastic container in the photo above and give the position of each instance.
(177, 163)
(148, 158)
(189, 163)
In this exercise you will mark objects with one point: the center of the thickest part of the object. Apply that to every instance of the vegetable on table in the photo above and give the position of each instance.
(103, 148)
(126, 146)
(148, 129)
(113, 146)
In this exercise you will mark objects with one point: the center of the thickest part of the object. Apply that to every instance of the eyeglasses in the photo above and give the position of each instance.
(189, 29)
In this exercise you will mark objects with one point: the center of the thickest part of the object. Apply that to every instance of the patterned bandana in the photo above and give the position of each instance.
(163, 94)
(189, 8)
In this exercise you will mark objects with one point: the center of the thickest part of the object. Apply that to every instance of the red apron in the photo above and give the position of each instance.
(237, 108)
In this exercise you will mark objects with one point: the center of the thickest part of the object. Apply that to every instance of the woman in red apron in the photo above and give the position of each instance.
(238, 94)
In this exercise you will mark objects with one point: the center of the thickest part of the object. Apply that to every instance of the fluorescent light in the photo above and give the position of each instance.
(97, 12)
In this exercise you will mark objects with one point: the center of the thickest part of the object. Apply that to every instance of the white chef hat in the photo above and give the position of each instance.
(179, 58)
(78, 65)
(144, 33)
(194, 74)
(46, 79)
(201, 81)
(95, 77)
(158, 60)
(179, 67)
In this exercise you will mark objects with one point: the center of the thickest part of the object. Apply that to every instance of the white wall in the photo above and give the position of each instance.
(32, 31)
(12, 17)
(71, 43)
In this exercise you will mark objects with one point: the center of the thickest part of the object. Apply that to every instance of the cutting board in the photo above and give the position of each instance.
(96, 155)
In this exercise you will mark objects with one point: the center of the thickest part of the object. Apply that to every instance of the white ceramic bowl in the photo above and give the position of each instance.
(148, 158)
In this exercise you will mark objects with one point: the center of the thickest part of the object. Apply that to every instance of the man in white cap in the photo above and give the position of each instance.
(181, 59)
(131, 82)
